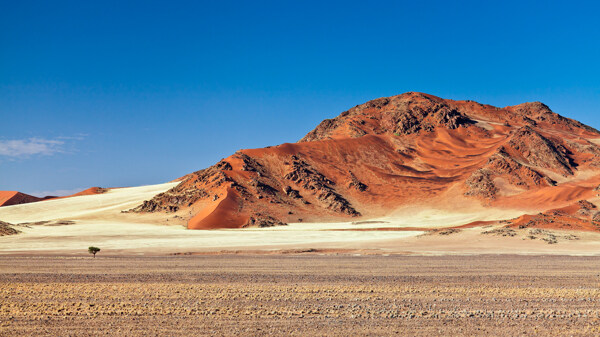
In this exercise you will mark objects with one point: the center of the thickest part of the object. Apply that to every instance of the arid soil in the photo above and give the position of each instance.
(300, 294)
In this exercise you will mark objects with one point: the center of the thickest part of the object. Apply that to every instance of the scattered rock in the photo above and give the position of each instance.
(540, 151)
(310, 179)
(357, 184)
(501, 232)
(7, 229)
(444, 231)
(263, 221)
(481, 184)
(290, 192)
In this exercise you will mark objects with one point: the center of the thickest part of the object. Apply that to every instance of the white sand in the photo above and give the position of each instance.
(99, 222)
(98, 206)
(148, 237)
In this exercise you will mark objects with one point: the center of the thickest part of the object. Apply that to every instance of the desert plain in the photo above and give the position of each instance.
(311, 293)
(418, 275)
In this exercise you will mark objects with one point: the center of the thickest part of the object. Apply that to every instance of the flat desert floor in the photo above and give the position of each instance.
(300, 295)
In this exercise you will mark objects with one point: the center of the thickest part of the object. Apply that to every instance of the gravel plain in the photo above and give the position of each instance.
(300, 295)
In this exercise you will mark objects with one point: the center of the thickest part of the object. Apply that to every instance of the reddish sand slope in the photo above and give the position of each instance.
(89, 191)
(411, 149)
(8, 198)
(582, 215)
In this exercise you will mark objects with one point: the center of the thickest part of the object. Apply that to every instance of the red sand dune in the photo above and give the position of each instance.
(8, 198)
(222, 211)
(89, 191)
(581, 216)
(410, 149)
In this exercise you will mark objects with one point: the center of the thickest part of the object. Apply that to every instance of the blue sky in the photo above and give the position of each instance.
(123, 93)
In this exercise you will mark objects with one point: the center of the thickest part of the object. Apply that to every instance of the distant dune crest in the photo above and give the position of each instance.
(8, 198)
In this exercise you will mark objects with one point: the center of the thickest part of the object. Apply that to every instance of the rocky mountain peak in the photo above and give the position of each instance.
(399, 115)
(390, 152)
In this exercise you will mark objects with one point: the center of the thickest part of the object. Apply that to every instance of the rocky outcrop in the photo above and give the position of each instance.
(356, 184)
(540, 112)
(194, 187)
(387, 153)
(399, 115)
(540, 151)
(586, 208)
(516, 173)
(481, 184)
(257, 185)
(523, 162)
(263, 221)
(172, 200)
(304, 175)
(587, 148)
(292, 193)
(502, 166)
(7, 229)
(249, 163)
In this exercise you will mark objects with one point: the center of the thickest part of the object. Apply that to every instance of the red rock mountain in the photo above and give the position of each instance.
(410, 149)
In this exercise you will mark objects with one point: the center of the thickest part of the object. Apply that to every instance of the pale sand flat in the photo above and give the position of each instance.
(98, 221)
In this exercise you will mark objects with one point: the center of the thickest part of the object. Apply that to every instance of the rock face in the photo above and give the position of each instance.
(410, 149)
(7, 229)
(399, 115)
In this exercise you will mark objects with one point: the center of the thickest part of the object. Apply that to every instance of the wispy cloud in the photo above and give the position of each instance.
(56, 193)
(78, 136)
(16, 148)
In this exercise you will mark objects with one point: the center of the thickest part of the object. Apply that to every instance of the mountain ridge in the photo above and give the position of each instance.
(392, 152)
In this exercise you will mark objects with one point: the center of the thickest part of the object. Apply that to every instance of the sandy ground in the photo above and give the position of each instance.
(116, 238)
(105, 206)
(300, 295)
(69, 226)
(335, 279)
(146, 239)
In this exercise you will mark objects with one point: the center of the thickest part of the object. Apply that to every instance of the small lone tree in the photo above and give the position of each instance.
(93, 250)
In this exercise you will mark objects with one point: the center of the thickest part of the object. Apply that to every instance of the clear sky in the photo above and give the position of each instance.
(123, 93)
